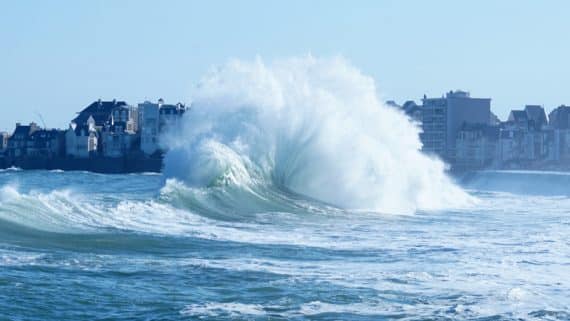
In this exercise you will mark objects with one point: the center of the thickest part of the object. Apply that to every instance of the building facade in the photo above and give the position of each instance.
(477, 147)
(117, 139)
(4, 141)
(46, 143)
(149, 116)
(443, 118)
(18, 141)
(170, 116)
(82, 141)
(155, 120)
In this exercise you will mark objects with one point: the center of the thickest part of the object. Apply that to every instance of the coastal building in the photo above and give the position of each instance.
(443, 118)
(494, 120)
(3, 141)
(526, 138)
(477, 146)
(149, 126)
(559, 118)
(46, 143)
(170, 115)
(118, 139)
(517, 146)
(156, 119)
(559, 122)
(533, 117)
(128, 115)
(536, 116)
(18, 141)
(101, 112)
(81, 141)
(108, 128)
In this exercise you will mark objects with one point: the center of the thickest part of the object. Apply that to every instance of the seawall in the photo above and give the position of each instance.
(107, 165)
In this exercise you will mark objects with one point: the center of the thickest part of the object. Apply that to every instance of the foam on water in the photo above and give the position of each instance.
(232, 310)
(505, 259)
(312, 126)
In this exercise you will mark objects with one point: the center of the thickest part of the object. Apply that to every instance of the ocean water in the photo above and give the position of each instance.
(84, 246)
(289, 192)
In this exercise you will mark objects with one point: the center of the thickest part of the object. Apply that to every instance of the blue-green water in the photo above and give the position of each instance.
(81, 246)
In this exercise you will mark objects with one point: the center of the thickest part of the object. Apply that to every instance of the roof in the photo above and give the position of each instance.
(410, 106)
(560, 109)
(100, 111)
(559, 117)
(518, 115)
(80, 130)
(24, 130)
(170, 106)
(536, 113)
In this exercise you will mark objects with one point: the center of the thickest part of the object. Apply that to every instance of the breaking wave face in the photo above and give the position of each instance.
(311, 127)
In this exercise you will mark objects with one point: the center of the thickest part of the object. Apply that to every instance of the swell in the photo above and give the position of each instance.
(222, 214)
(180, 217)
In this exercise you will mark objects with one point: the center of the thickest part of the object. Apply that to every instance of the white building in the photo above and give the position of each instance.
(156, 119)
(81, 141)
(149, 126)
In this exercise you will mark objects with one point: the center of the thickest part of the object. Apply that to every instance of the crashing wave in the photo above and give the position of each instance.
(311, 126)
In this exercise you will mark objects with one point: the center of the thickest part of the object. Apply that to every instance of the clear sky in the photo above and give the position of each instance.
(56, 57)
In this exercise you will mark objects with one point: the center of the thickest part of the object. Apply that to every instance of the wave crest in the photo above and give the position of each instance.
(312, 126)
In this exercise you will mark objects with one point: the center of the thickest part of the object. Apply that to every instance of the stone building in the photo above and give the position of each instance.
(46, 143)
(477, 146)
(18, 141)
(117, 139)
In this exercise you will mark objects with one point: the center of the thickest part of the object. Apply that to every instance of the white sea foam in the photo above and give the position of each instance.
(18, 258)
(70, 212)
(313, 126)
(215, 309)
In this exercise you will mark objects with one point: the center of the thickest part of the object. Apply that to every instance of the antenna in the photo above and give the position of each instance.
(42, 119)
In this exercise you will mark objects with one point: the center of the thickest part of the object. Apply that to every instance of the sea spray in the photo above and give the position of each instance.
(312, 126)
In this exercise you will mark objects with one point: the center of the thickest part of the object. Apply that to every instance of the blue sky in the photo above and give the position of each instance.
(58, 56)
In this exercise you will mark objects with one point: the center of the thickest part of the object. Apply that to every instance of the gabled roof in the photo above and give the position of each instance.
(24, 130)
(518, 116)
(80, 130)
(100, 111)
(536, 113)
